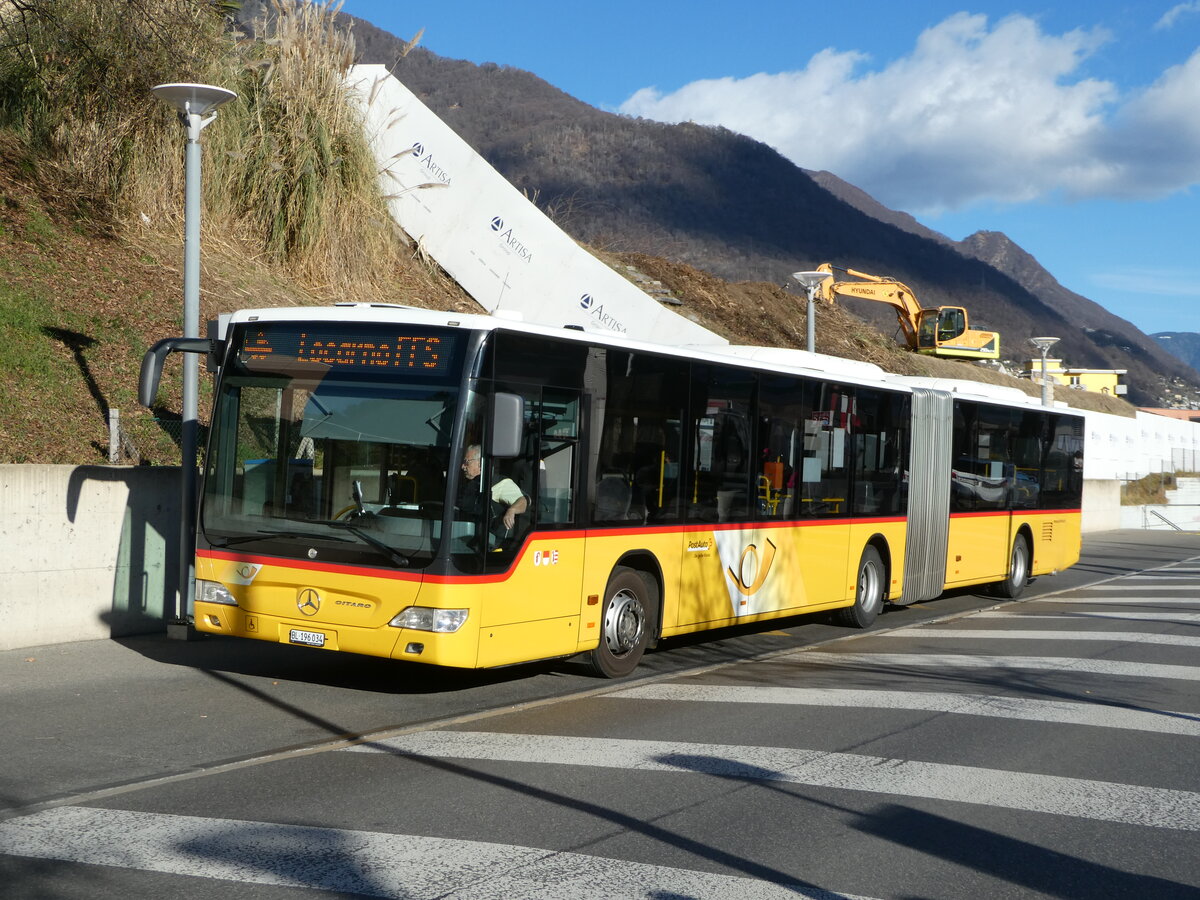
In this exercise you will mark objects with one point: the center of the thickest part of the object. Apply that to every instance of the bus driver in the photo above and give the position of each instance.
(505, 493)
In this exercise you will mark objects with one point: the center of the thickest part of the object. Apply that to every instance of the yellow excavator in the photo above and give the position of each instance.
(936, 330)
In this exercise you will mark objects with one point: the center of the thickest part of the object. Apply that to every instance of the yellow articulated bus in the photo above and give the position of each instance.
(469, 491)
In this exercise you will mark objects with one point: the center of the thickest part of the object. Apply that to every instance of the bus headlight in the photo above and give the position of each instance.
(425, 618)
(213, 592)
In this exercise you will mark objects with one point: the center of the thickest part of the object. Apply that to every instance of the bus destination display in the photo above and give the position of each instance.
(370, 349)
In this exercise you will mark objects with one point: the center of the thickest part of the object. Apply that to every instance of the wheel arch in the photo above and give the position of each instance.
(884, 549)
(645, 562)
(1024, 530)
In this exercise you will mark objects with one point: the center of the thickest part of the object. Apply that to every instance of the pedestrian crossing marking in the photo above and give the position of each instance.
(368, 863)
(1057, 711)
(1119, 637)
(971, 661)
(1055, 794)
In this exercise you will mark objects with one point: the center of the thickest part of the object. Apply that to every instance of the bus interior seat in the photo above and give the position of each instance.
(613, 494)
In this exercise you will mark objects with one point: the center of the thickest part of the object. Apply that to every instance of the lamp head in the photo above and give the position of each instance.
(811, 280)
(1044, 343)
(196, 99)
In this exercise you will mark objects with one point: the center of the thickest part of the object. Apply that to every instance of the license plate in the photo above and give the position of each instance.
(308, 638)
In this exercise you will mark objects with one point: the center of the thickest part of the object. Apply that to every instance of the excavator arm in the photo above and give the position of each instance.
(882, 290)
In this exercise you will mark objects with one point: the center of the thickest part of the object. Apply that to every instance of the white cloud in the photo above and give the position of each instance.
(1172, 15)
(975, 113)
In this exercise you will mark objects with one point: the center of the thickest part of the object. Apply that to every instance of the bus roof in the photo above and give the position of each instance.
(781, 359)
(784, 359)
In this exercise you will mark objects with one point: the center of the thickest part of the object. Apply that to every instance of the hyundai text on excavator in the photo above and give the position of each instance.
(936, 331)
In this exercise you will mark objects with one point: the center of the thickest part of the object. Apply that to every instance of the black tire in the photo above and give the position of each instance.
(626, 621)
(868, 593)
(1018, 571)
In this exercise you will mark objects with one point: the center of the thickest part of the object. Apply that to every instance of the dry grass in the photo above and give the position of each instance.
(288, 173)
(1150, 490)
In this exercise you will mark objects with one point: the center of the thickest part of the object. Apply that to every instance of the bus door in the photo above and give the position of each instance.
(982, 487)
(721, 546)
(826, 572)
(533, 569)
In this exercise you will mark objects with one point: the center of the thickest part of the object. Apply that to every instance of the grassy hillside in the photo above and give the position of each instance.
(91, 231)
(80, 303)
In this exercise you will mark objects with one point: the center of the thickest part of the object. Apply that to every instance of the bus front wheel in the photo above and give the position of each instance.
(625, 622)
(1018, 571)
(868, 592)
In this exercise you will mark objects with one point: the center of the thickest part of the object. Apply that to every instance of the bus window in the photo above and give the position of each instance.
(492, 508)
(719, 488)
(781, 444)
(1027, 460)
(557, 432)
(994, 457)
(982, 475)
(637, 412)
(824, 478)
(880, 453)
(1062, 478)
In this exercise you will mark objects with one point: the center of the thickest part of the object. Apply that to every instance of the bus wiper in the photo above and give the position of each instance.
(267, 533)
(391, 552)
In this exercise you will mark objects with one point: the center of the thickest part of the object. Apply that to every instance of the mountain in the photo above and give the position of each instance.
(732, 206)
(1184, 345)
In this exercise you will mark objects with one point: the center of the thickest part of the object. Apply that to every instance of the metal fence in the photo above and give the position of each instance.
(164, 442)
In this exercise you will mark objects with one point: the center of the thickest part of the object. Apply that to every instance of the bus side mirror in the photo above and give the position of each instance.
(152, 363)
(508, 419)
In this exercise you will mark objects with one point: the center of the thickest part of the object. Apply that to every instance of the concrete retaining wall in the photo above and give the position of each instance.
(1101, 505)
(86, 552)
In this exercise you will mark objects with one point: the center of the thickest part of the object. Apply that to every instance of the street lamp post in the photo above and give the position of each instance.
(1044, 344)
(811, 281)
(196, 105)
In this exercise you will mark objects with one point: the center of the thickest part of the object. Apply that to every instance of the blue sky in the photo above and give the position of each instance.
(1072, 128)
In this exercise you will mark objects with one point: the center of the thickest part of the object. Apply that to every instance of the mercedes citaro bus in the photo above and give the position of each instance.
(470, 491)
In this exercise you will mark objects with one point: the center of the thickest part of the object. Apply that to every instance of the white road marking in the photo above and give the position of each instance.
(963, 661)
(1138, 588)
(368, 863)
(1120, 637)
(1096, 614)
(1054, 794)
(1059, 712)
(1130, 600)
(1161, 577)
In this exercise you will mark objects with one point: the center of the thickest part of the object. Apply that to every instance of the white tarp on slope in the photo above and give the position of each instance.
(504, 251)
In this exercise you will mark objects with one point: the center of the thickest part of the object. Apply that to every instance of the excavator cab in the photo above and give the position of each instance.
(935, 326)
(943, 331)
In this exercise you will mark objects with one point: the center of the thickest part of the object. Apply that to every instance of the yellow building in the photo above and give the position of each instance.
(1098, 381)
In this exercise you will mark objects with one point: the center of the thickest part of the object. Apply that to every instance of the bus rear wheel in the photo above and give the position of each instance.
(1018, 571)
(625, 623)
(868, 593)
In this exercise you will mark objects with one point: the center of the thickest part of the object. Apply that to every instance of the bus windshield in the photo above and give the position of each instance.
(338, 461)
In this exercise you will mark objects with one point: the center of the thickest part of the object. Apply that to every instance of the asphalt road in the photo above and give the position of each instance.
(960, 747)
